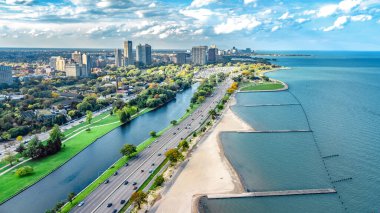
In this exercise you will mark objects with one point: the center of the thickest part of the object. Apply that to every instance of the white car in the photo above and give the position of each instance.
(81, 204)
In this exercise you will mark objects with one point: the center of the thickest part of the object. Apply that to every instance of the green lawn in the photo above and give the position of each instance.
(262, 86)
(10, 184)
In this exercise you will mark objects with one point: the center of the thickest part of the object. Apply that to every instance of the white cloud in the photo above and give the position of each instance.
(201, 3)
(361, 18)
(275, 28)
(286, 16)
(309, 12)
(15, 2)
(301, 20)
(237, 23)
(200, 14)
(152, 5)
(327, 10)
(338, 24)
(347, 5)
(249, 1)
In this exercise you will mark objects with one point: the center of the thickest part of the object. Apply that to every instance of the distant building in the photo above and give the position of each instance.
(60, 63)
(53, 62)
(144, 54)
(86, 59)
(118, 58)
(199, 55)
(128, 54)
(6, 75)
(77, 57)
(76, 70)
(212, 54)
(180, 58)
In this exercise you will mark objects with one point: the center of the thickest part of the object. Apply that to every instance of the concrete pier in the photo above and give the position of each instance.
(273, 193)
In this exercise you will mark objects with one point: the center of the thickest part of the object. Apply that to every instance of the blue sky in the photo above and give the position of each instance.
(258, 24)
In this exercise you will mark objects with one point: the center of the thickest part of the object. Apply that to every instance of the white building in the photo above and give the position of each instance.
(199, 55)
(76, 70)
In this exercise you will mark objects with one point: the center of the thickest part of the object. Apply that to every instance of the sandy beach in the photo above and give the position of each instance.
(207, 172)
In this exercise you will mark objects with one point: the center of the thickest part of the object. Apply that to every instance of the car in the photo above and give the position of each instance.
(149, 146)
(159, 154)
(81, 204)
(126, 182)
(135, 188)
(177, 128)
(109, 205)
(122, 201)
(126, 164)
(116, 173)
(151, 171)
(114, 211)
(142, 170)
(153, 164)
(134, 183)
(107, 181)
(174, 133)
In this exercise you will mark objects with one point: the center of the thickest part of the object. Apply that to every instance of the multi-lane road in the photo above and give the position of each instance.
(108, 197)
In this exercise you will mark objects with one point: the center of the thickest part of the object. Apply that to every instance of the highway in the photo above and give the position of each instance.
(138, 169)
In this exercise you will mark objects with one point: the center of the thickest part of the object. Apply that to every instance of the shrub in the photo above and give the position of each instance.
(24, 171)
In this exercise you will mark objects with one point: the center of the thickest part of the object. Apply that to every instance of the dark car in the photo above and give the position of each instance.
(122, 201)
(116, 173)
(135, 188)
(107, 181)
(109, 205)
(134, 183)
(126, 182)
(114, 211)
(152, 164)
(159, 154)
(142, 170)
(126, 164)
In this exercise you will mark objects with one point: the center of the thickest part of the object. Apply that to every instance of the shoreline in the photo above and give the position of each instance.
(215, 177)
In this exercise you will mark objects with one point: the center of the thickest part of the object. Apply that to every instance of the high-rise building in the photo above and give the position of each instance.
(6, 75)
(77, 57)
(212, 54)
(180, 58)
(128, 54)
(86, 59)
(60, 63)
(76, 70)
(144, 54)
(53, 62)
(199, 55)
(118, 58)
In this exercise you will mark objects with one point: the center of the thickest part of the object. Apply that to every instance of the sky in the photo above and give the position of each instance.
(180, 24)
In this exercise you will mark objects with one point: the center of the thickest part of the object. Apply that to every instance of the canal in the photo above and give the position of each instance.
(80, 171)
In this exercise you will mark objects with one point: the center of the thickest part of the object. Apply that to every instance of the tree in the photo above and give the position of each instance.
(6, 136)
(139, 198)
(174, 122)
(24, 171)
(159, 181)
(184, 145)
(34, 149)
(9, 158)
(19, 138)
(21, 148)
(70, 197)
(124, 117)
(88, 116)
(174, 155)
(153, 134)
(128, 150)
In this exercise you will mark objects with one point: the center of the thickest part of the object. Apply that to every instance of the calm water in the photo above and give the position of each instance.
(89, 164)
(340, 92)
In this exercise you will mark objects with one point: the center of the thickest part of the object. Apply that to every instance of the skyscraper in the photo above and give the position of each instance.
(180, 58)
(77, 57)
(144, 54)
(199, 55)
(128, 56)
(76, 70)
(86, 59)
(118, 57)
(60, 63)
(6, 75)
(53, 62)
(212, 54)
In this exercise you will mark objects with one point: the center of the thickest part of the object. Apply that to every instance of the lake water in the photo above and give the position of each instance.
(340, 94)
(80, 171)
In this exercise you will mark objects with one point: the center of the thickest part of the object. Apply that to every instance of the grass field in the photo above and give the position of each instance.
(76, 140)
(262, 86)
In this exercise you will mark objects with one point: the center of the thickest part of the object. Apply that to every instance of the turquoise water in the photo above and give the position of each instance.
(340, 93)
(275, 161)
(286, 204)
(287, 117)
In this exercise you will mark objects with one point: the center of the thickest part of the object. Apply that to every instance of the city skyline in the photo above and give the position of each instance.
(258, 24)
